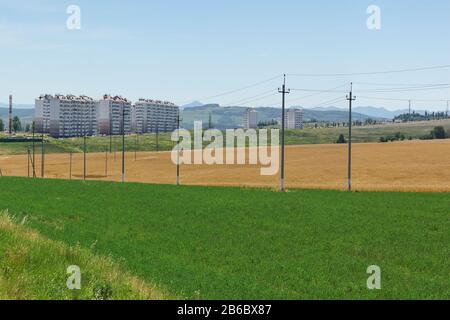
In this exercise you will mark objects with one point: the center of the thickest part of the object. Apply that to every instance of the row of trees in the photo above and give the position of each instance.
(437, 133)
(16, 125)
(414, 116)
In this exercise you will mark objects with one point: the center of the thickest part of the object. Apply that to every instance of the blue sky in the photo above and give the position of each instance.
(190, 50)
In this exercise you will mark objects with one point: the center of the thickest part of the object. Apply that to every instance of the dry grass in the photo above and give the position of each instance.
(401, 166)
(33, 267)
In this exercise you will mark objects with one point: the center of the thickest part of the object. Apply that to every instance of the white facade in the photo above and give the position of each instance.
(294, 119)
(150, 116)
(42, 113)
(66, 116)
(112, 114)
(251, 119)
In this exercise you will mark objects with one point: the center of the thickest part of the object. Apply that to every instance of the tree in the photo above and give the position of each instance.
(341, 139)
(2, 126)
(438, 132)
(17, 126)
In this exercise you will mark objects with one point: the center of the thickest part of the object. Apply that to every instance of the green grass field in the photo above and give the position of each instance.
(32, 267)
(149, 142)
(231, 243)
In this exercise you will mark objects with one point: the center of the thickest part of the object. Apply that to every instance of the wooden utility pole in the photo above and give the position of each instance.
(350, 99)
(283, 92)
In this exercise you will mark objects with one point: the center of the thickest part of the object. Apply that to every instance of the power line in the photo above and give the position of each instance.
(253, 98)
(403, 99)
(402, 84)
(242, 88)
(405, 89)
(367, 73)
(328, 102)
(410, 89)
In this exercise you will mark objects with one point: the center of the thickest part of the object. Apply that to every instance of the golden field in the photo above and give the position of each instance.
(399, 166)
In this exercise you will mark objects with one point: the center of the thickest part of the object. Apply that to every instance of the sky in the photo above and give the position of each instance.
(182, 51)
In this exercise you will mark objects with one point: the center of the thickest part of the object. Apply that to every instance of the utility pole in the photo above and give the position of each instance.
(157, 137)
(10, 115)
(409, 118)
(29, 156)
(123, 142)
(283, 92)
(70, 166)
(136, 146)
(110, 130)
(34, 151)
(350, 99)
(446, 112)
(84, 156)
(42, 151)
(178, 149)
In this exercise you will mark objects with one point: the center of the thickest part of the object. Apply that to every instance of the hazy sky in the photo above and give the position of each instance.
(190, 50)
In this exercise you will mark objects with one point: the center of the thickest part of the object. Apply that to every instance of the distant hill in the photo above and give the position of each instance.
(192, 105)
(26, 114)
(233, 117)
(374, 112)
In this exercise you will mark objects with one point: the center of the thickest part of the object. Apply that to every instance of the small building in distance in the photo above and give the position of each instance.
(294, 118)
(151, 116)
(251, 119)
(113, 112)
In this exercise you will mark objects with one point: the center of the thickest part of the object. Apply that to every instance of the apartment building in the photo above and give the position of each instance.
(150, 116)
(65, 116)
(113, 112)
(251, 119)
(42, 113)
(294, 118)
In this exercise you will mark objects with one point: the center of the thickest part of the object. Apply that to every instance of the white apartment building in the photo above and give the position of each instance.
(65, 116)
(294, 118)
(150, 116)
(42, 113)
(251, 119)
(113, 112)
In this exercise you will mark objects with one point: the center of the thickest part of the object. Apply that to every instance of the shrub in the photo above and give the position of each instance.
(438, 132)
(341, 139)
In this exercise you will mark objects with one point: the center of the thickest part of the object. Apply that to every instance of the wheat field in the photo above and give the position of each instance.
(400, 166)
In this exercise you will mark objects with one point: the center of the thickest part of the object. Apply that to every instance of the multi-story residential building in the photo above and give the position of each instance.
(66, 116)
(251, 119)
(150, 116)
(42, 113)
(112, 114)
(294, 118)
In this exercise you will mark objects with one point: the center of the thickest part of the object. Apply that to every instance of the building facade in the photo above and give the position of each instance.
(294, 119)
(113, 112)
(151, 116)
(42, 113)
(65, 116)
(251, 119)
